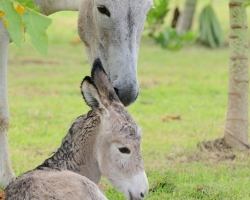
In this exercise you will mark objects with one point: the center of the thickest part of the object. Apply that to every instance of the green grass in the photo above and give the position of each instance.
(192, 83)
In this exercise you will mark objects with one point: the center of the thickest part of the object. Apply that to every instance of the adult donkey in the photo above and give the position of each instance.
(111, 31)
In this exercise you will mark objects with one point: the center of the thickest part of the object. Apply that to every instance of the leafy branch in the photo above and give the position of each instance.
(20, 16)
(167, 37)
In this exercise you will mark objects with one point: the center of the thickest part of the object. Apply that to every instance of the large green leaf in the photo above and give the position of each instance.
(36, 25)
(13, 20)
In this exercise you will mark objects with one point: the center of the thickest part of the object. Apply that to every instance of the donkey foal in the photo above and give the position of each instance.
(104, 141)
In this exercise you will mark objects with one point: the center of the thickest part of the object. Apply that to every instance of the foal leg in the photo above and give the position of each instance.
(6, 172)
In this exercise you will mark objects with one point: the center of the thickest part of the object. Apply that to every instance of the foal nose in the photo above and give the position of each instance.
(138, 187)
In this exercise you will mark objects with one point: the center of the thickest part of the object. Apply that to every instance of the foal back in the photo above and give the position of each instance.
(48, 184)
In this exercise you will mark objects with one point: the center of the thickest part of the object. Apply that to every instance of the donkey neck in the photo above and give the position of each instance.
(77, 152)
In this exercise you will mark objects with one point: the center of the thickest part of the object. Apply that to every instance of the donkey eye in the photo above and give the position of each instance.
(124, 150)
(103, 10)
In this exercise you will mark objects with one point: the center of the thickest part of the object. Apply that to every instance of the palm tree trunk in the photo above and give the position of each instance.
(185, 20)
(236, 130)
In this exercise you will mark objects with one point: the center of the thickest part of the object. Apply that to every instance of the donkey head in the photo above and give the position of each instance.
(118, 144)
(111, 31)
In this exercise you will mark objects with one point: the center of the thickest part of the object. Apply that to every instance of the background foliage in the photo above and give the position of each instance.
(209, 33)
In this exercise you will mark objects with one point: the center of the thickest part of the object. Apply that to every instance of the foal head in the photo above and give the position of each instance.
(118, 143)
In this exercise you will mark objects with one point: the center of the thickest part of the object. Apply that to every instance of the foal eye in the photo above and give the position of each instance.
(103, 10)
(124, 150)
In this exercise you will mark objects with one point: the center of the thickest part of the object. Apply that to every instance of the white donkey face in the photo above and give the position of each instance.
(111, 31)
(118, 144)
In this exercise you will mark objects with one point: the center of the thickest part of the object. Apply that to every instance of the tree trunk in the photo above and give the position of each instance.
(236, 131)
(185, 20)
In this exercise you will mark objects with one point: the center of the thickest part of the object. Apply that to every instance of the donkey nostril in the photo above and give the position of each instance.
(117, 92)
(142, 195)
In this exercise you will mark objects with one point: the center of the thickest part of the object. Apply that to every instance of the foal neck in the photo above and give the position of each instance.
(77, 152)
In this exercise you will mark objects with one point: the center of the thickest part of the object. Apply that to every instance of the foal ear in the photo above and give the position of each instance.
(102, 83)
(90, 92)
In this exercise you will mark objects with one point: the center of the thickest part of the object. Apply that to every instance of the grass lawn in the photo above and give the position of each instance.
(182, 101)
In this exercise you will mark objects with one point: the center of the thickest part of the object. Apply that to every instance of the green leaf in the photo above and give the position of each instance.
(36, 25)
(14, 21)
(28, 4)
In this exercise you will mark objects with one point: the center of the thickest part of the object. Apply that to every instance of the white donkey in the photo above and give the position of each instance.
(104, 141)
(111, 31)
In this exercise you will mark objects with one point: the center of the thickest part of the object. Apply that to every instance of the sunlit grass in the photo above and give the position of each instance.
(44, 98)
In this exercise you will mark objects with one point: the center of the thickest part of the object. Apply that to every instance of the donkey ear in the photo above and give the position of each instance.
(90, 92)
(102, 83)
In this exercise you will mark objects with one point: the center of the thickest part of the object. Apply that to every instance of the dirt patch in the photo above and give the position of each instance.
(170, 117)
(212, 151)
(208, 151)
(210, 157)
(2, 195)
(217, 145)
